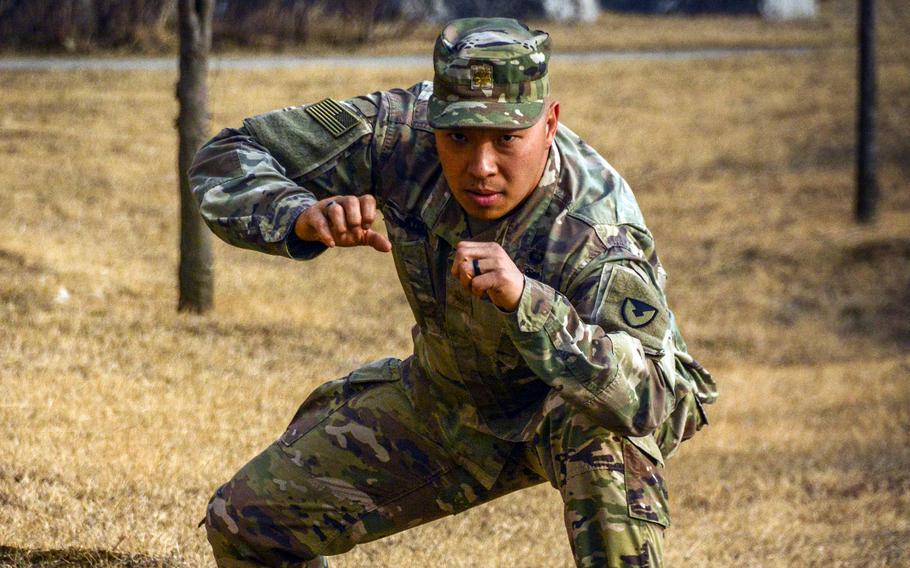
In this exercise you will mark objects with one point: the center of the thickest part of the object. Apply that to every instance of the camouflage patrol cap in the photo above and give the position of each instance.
(489, 72)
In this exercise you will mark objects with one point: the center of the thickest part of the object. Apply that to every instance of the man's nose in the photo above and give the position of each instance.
(483, 161)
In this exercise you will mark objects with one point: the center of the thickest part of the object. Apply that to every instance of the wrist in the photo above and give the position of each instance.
(298, 226)
(510, 304)
(298, 246)
(303, 229)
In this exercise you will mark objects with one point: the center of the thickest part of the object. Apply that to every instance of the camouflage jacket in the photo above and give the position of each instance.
(592, 327)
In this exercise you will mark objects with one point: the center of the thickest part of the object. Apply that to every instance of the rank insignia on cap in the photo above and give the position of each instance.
(332, 116)
(637, 313)
(481, 77)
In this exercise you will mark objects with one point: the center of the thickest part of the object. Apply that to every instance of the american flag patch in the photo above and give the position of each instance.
(333, 116)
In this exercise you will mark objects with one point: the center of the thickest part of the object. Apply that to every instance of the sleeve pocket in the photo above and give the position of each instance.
(299, 141)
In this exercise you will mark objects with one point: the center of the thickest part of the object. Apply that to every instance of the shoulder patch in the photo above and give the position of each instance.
(637, 313)
(633, 305)
(333, 116)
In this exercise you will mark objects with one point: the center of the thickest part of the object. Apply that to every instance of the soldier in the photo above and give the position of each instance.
(544, 349)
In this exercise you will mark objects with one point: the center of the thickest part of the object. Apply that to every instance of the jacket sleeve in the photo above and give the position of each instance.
(607, 349)
(253, 182)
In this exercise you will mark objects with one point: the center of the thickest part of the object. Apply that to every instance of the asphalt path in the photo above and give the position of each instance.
(78, 63)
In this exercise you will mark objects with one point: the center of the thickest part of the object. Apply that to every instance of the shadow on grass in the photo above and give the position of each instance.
(872, 290)
(73, 557)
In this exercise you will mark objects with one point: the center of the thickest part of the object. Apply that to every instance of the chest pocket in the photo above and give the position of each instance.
(413, 262)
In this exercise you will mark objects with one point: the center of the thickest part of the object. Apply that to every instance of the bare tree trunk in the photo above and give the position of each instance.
(867, 189)
(300, 13)
(195, 272)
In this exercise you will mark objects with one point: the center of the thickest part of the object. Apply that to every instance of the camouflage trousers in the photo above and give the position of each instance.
(359, 462)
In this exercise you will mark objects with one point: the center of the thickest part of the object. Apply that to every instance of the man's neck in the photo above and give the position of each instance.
(484, 227)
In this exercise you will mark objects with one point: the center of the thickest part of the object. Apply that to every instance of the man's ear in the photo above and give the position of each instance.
(552, 121)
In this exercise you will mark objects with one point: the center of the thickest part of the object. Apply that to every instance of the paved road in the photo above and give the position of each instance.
(285, 61)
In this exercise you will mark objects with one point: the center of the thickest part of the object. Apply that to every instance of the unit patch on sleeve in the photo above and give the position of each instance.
(637, 313)
(634, 305)
(333, 116)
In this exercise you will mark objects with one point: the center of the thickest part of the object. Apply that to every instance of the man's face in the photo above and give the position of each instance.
(491, 171)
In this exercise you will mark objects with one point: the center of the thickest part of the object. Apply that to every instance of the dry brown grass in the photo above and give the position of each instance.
(121, 416)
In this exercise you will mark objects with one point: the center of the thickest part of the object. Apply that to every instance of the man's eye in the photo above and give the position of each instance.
(507, 138)
(457, 137)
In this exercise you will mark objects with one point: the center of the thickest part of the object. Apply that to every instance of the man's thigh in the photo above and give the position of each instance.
(614, 494)
(356, 463)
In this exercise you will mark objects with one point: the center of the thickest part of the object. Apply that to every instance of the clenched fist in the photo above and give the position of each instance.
(485, 268)
(342, 221)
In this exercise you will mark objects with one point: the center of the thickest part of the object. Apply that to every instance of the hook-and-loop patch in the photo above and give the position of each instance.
(333, 116)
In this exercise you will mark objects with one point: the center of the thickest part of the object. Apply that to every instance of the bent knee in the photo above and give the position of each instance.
(221, 517)
(243, 525)
(222, 527)
(239, 536)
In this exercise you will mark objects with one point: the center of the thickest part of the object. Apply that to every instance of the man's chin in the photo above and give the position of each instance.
(487, 216)
(483, 212)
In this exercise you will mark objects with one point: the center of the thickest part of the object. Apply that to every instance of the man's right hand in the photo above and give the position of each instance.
(342, 221)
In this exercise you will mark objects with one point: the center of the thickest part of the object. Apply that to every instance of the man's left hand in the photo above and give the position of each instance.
(499, 278)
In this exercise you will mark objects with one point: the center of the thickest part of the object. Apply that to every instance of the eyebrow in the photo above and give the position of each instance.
(497, 131)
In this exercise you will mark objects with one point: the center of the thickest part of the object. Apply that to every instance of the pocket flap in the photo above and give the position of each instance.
(646, 491)
(649, 447)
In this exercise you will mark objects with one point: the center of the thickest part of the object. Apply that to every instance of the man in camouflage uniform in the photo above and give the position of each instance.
(543, 346)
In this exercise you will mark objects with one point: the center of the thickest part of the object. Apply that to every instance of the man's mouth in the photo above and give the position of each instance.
(483, 198)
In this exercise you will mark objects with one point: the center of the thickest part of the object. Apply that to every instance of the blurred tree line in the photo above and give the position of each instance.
(73, 24)
(81, 24)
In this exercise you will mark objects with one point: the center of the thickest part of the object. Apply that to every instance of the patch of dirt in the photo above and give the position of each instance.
(16, 298)
(871, 285)
(76, 557)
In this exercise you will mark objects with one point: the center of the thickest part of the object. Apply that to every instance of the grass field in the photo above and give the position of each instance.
(122, 416)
